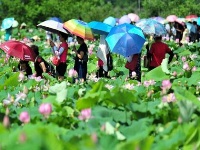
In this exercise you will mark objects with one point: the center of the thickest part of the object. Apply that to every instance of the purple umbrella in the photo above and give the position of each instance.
(124, 19)
(159, 19)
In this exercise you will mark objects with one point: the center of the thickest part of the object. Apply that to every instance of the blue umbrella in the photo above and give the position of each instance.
(7, 23)
(110, 21)
(99, 27)
(56, 19)
(125, 39)
(198, 21)
(189, 25)
(151, 27)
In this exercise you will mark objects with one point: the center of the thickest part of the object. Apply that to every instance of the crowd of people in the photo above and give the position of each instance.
(183, 32)
(155, 53)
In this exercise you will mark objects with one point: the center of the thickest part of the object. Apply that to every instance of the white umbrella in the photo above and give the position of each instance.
(52, 26)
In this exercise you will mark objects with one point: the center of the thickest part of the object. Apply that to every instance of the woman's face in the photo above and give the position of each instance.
(23, 67)
(78, 40)
(60, 37)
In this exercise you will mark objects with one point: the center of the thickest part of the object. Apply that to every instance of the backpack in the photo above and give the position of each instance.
(109, 61)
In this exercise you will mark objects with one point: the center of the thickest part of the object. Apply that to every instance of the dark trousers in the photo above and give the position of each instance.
(101, 72)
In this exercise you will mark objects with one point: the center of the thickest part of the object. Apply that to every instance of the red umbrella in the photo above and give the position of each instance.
(191, 17)
(19, 50)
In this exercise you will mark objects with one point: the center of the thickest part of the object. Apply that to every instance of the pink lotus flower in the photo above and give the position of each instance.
(24, 117)
(72, 73)
(85, 114)
(152, 82)
(21, 76)
(6, 121)
(90, 51)
(166, 84)
(174, 73)
(22, 137)
(183, 59)
(194, 68)
(7, 58)
(169, 98)
(146, 83)
(177, 41)
(187, 39)
(186, 66)
(45, 109)
(94, 137)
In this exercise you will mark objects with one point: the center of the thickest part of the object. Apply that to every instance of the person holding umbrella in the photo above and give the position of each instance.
(8, 24)
(81, 59)
(179, 31)
(61, 53)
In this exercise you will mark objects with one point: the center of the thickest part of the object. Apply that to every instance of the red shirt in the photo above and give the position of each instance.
(100, 63)
(158, 51)
(63, 56)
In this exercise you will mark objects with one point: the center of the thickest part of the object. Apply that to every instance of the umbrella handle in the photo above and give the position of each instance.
(74, 39)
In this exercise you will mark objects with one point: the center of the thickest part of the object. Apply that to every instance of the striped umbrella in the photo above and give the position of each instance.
(79, 28)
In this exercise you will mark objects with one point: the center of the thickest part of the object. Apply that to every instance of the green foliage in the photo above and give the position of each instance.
(125, 114)
(157, 74)
(33, 12)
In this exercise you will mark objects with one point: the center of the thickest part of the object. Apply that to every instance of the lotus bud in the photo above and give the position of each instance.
(45, 109)
(6, 121)
(24, 117)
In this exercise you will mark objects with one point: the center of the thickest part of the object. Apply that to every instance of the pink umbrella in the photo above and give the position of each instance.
(134, 17)
(180, 21)
(124, 19)
(171, 18)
